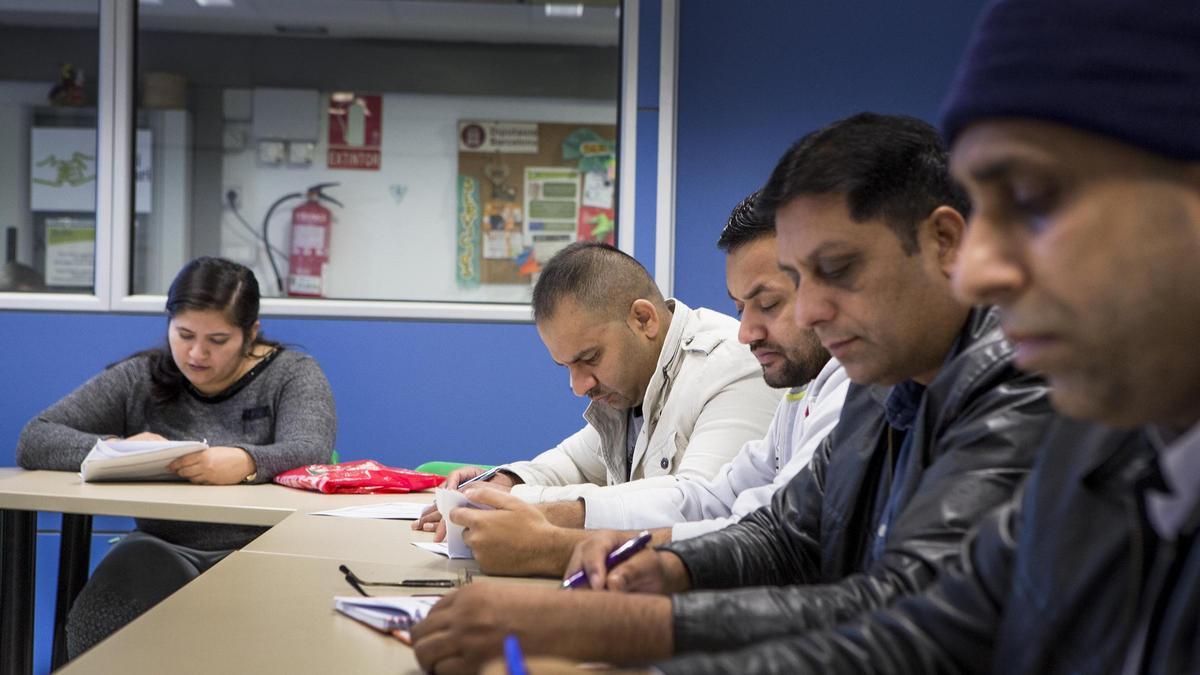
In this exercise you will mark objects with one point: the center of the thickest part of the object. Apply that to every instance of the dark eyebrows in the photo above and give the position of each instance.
(751, 295)
(185, 329)
(579, 356)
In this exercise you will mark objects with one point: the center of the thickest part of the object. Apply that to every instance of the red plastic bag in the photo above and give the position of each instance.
(363, 476)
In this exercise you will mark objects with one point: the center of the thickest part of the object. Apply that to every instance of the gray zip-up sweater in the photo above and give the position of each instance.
(281, 413)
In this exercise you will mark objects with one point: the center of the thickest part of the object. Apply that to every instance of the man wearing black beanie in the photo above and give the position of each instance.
(1075, 127)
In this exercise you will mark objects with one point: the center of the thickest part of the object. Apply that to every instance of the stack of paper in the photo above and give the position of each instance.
(454, 546)
(135, 460)
(393, 614)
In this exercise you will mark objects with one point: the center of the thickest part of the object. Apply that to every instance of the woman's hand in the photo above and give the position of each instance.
(218, 465)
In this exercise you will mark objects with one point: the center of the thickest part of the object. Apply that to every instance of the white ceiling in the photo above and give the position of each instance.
(511, 21)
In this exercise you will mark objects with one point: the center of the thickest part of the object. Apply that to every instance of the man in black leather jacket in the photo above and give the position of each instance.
(1074, 128)
(939, 429)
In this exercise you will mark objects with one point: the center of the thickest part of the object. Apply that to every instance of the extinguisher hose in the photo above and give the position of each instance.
(267, 239)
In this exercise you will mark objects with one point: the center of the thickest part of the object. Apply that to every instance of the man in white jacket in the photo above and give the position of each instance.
(673, 393)
(518, 539)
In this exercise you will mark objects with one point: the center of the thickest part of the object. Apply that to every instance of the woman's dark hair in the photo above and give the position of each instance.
(204, 284)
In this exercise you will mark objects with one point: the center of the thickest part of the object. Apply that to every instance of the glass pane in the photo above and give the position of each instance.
(48, 146)
(375, 149)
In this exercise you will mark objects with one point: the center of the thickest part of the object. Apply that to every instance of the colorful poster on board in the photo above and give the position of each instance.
(466, 267)
(355, 131)
(503, 235)
(597, 215)
(551, 209)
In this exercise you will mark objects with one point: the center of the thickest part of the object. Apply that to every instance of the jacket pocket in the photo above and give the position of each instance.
(661, 456)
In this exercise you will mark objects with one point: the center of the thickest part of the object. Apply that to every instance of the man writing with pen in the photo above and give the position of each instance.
(529, 540)
(938, 429)
(672, 392)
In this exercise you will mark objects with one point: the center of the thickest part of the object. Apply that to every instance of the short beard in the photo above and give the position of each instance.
(802, 364)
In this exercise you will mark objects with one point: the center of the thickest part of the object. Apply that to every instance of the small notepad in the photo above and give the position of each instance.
(392, 614)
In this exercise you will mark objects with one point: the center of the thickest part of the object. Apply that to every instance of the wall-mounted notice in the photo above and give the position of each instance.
(70, 251)
(552, 207)
(355, 131)
(63, 170)
(508, 137)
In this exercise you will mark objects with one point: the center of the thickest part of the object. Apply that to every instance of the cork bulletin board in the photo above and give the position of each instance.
(526, 190)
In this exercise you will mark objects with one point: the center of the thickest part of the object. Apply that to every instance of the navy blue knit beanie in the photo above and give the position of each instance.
(1129, 69)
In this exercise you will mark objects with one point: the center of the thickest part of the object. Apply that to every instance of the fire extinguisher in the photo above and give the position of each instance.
(312, 225)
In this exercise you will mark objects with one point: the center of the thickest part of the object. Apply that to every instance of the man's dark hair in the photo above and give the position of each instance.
(745, 225)
(599, 277)
(889, 166)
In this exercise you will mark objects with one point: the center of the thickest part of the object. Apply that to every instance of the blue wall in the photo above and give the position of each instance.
(756, 76)
(405, 391)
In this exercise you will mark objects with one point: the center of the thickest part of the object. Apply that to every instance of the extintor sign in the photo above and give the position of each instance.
(355, 130)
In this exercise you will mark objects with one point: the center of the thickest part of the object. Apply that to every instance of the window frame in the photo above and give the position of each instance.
(115, 185)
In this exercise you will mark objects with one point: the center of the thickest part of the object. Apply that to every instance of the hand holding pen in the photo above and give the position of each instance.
(593, 575)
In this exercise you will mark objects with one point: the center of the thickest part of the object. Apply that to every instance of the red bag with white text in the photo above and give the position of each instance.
(361, 477)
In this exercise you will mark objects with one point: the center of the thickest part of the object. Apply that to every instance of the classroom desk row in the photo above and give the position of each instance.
(265, 608)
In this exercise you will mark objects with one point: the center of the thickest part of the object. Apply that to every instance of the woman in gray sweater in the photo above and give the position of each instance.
(262, 409)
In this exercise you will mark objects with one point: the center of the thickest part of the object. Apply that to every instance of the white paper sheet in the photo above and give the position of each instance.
(385, 511)
(135, 460)
(440, 548)
(447, 501)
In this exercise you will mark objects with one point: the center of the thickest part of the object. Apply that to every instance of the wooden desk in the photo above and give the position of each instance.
(265, 505)
(254, 613)
(23, 493)
(382, 541)
(259, 612)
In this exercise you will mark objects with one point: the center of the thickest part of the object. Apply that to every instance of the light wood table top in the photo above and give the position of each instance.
(268, 613)
(65, 491)
(254, 613)
(381, 541)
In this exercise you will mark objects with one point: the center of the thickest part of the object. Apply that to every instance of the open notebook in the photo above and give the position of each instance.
(135, 460)
(392, 614)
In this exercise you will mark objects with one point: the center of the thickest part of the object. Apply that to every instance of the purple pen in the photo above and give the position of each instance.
(619, 555)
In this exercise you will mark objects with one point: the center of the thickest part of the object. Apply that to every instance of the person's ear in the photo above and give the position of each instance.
(644, 319)
(943, 231)
(253, 336)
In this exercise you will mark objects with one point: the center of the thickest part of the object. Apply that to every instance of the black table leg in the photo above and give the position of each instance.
(73, 559)
(18, 546)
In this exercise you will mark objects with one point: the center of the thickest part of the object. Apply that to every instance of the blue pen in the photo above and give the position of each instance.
(512, 656)
(619, 555)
